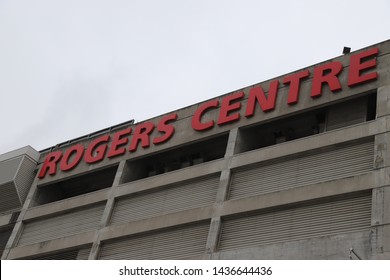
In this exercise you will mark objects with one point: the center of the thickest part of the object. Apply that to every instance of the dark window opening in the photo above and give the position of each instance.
(371, 107)
(79, 185)
(175, 159)
(335, 116)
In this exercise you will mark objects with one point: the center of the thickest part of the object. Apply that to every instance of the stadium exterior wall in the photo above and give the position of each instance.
(291, 168)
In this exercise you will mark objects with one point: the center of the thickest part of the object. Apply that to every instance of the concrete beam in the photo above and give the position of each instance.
(51, 245)
(66, 204)
(203, 169)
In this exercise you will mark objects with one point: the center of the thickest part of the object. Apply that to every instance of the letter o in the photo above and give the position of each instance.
(65, 165)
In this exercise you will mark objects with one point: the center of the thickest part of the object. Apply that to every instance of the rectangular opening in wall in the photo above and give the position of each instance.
(346, 113)
(174, 159)
(83, 184)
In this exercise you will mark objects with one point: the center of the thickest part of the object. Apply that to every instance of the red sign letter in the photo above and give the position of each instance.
(93, 155)
(165, 128)
(227, 107)
(141, 133)
(295, 80)
(119, 141)
(196, 124)
(357, 66)
(50, 164)
(79, 150)
(326, 74)
(266, 103)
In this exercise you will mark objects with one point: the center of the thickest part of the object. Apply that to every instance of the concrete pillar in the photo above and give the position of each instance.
(18, 228)
(383, 101)
(212, 240)
(380, 214)
(223, 189)
(107, 211)
(380, 239)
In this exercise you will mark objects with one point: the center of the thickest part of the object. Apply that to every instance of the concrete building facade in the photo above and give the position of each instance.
(296, 167)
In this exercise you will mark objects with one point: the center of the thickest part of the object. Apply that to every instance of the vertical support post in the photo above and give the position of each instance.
(93, 255)
(222, 193)
(380, 213)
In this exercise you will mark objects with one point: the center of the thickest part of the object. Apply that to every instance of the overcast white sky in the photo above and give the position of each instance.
(71, 67)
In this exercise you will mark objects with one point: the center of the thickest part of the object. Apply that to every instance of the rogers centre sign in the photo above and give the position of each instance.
(361, 70)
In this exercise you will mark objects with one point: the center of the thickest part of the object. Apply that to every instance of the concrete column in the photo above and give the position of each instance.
(18, 228)
(380, 214)
(225, 174)
(107, 212)
(212, 239)
(223, 189)
(380, 222)
(383, 101)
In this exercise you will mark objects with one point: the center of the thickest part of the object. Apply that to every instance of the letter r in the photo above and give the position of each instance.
(50, 164)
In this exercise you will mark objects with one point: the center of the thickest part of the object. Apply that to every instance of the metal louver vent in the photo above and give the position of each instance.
(25, 177)
(347, 113)
(68, 255)
(67, 224)
(321, 165)
(8, 169)
(172, 243)
(83, 254)
(9, 199)
(178, 197)
(318, 218)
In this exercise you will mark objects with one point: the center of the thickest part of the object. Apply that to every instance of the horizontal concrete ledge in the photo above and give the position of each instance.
(293, 195)
(159, 222)
(172, 177)
(51, 245)
(66, 204)
(313, 142)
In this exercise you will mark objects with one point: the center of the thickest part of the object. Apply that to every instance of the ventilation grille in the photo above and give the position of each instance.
(9, 199)
(330, 217)
(178, 197)
(175, 243)
(61, 226)
(25, 177)
(4, 236)
(83, 254)
(347, 113)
